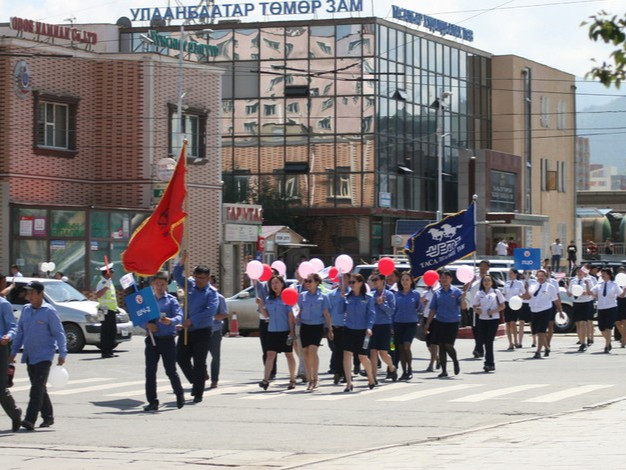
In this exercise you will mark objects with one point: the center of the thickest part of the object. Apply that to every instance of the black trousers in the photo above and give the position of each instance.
(196, 349)
(488, 330)
(108, 332)
(215, 348)
(478, 338)
(39, 400)
(6, 399)
(165, 347)
(263, 326)
(336, 358)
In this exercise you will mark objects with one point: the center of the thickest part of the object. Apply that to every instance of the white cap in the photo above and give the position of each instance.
(107, 267)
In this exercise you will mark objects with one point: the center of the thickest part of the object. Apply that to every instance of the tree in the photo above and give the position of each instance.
(610, 30)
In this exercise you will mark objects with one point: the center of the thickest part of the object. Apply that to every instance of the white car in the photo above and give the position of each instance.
(78, 314)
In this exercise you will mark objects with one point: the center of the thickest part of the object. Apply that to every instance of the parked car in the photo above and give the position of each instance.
(78, 314)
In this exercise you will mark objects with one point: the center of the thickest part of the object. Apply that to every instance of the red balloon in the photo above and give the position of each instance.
(332, 273)
(267, 273)
(430, 277)
(289, 296)
(386, 266)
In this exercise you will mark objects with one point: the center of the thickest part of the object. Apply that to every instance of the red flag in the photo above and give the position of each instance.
(159, 237)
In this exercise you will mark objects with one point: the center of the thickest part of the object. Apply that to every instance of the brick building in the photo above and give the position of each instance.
(81, 134)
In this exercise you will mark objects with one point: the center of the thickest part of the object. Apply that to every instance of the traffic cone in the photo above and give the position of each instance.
(234, 326)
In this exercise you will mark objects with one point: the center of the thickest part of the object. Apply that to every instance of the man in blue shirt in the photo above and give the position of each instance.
(215, 345)
(162, 343)
(8, 328)
(193, 342)
(40, 332)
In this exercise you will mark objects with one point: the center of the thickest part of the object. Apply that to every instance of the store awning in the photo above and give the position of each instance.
(515, 219)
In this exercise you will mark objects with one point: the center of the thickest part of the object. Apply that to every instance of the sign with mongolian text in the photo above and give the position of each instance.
(432, 24)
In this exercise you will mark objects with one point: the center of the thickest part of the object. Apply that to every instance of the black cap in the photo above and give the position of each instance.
(34, 285)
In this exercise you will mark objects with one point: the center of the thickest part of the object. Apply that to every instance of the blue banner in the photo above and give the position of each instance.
(142, 306)
(441, 243)
(527, 259)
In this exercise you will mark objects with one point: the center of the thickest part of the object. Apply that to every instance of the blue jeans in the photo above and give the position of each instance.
(166, 348)
(39, 399)
(556, 263)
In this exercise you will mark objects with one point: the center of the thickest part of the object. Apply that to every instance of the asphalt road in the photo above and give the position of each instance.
(102, 404)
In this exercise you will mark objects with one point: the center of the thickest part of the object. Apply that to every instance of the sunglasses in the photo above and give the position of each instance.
(306, 281)
(353, 282)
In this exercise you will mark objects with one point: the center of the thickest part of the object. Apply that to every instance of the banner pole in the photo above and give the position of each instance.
(475, 202)
(186, 245)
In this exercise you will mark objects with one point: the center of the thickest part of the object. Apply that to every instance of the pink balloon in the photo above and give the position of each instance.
(386, 266)
(344, 263)
(279, 266)
(305, 269)
(254, 269)
(465, 274)
(317, 263)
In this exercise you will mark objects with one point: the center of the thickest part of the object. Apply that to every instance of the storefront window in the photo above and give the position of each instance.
(69, 258)
(99, 226)
(28, 254)
(68, 224)
(30, 223)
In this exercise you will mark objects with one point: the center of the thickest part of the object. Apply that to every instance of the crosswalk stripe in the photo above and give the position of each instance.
(134, 393)
(70, 383)
(429, 392)
(567, 393)
(96, 388)
(340, 395)
(496, 393)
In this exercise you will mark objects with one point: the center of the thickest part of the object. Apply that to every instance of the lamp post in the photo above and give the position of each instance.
(439, 106)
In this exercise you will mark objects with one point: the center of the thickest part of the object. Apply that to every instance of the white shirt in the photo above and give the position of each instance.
(613, 291)
(513, 288)
(556, 249)
(502, 248)
(546, 294)
(428, 296)
(488, 302)
(531, 283)
(582, 283)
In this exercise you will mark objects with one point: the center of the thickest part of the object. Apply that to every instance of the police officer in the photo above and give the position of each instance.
(162, 344)
(8, 328)
(107, 303)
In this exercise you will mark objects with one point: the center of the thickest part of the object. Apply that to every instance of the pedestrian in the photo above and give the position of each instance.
(608, 247)
(337, 300)
(15, 271)
(488, 305)
(592, 249)
(280, 331)
(193, 342)
(359, 321)
(512, 246)
(556, 250)
(40, 333)
(8, 329)
(261, 291)
(405, 321)
(444, 318)
(502, 248)
(385, 306)
(431, 344)
(557, 308)
(483, 270)
(572, 255)
(540, 299)
(621, 314)
(594, 275)
(314, 311)
(161, 343)
(583, 305)
(215, 344)
(513, 287)
(107, 306)
(524, 316)
(606, 293)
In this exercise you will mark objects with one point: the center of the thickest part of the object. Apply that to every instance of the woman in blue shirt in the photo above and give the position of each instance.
(314, 311)
(337, 310)
(279, 330)
(384, 305)
(405, 321)
(359, 319)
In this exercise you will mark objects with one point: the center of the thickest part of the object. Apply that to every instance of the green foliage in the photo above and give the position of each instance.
(610, 30)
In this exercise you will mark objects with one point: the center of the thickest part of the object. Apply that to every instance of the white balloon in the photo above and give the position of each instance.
(58, 377)
(279, 266)
(515, 302)
(317, 263)
(44, 267)
(465, 274)
(577, 290)
(51, 266)
(621, 279)
(561, 320)
(305, 269)
(344, 263)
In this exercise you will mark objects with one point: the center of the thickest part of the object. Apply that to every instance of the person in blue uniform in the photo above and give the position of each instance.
(280, 331)
(215, 345)
(446, 305)
(336, 298)
(161, 343)
(8, 328)
(385, 306)
(359, 321)
(40, 333)
(193, 341)
(406, 317)
(314, 312)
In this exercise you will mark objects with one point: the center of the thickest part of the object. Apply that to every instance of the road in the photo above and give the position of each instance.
(102, 404)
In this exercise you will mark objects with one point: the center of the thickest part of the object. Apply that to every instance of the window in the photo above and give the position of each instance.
(560, 115)
(192, 128)
(237, 186)
(339, 183)
(544, 110)
(366, 124)
(327, 104)
(269, 109)
(272, 44)
(293, 107)
(55, 125)
(252, 108)
(325, 123)
(325, 48)
(288, 186)
(250, 127)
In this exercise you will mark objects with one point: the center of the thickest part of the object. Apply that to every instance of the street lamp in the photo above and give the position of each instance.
(439, 105)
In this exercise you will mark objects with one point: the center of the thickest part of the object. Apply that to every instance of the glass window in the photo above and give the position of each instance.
(192, 128)
(339, 184)
(349, 116)
(401, 47)
(297, 42)
(246, 82)
(272, 43)
(69, 258)
(67, 223)
(247, 43)
(349, 41)
(383, 42)
(393, 44)
(322, 42)
(223, 39)
(368, 39)
(30, 222)
(27, 254)
(431, 55)
(55, 123)
(99, 225)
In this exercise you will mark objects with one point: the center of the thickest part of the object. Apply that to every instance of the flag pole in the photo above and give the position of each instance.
(183, 154)
(475, 202)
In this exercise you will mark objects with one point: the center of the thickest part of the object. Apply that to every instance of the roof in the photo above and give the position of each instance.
(269, 230)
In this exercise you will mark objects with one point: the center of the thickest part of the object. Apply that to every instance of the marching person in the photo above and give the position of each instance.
(359, 317)
(161, 343)
(594, 275)
(107, 304)
(8, 328)
(556, 306)
(215, 345)
(540, 299)
(261, 290)
(337, 316)
(513, 287)
(444, 318)
(40, 333)
(524, 315)
(606, 293)
(280, 331)
(384, 305)
(488, 305)
(406, 317)
(583, 305)
(431, 344)
(193, 342)
(483, 270)
(314, 311)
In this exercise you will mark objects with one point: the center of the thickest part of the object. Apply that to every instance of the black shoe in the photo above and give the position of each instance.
(511, 348)
(151, 406)
(348, 389)
(486, 368)
(457, 368)
(476, 354)
(356, 371)
(264, 384)
(47, 423)
(372, 385)
(607, 350)
(403, 377)
(180, 400)
(610, 346)
(589, 342)
(582, 348)
(363, 373)
(16, 422)
(546, 353)
(336, 379)
(27, 425)
(409, 377)
(443, 374)
(430, 369)
(518, 345)
(394, 375)
(533, 345)
(537, 355)
(492, 368)
(197, 399)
